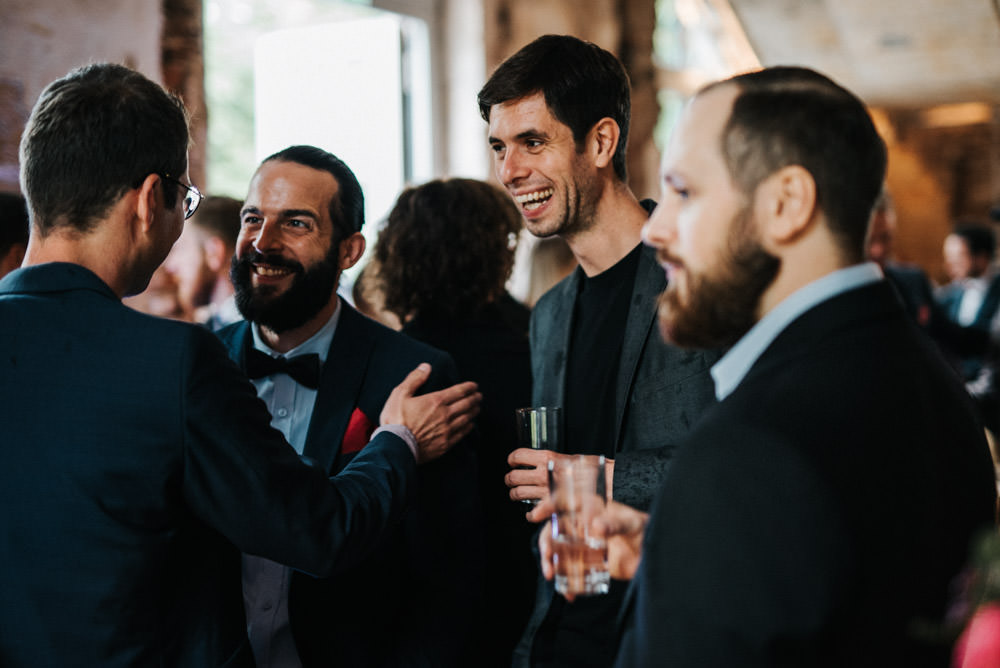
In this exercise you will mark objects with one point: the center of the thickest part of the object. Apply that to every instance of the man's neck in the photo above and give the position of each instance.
(293, 338)
(616, 230)
(99, 252)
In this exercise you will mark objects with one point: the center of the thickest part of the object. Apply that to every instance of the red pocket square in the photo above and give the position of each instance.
(359, 430)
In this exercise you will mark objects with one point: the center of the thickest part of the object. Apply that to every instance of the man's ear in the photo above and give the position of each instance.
(786, 204)
(603, 140)
(351, 250)
(148, 201)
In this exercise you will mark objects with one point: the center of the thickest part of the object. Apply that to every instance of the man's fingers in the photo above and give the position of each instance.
(465, 408)
(461, 391)
(529, 457)
(415, 379)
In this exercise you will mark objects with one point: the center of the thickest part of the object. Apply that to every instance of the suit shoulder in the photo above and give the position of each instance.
(231, 332)
(395, 348)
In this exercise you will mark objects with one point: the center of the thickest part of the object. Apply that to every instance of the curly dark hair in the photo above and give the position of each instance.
(447, 248)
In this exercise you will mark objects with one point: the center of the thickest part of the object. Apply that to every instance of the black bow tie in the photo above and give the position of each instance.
(304, 369)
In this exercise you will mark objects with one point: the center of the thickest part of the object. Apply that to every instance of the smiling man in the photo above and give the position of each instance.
(301, 227)
(558, 113)
(818, 515)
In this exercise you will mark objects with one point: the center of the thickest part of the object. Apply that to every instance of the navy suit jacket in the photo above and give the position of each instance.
(818, 515)
(138, 463)
(408, 604)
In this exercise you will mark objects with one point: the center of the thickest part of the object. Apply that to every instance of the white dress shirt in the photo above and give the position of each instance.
(265, 583)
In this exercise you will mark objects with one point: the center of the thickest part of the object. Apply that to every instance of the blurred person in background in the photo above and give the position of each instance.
(444, 257)
(910, 281)
(160, 298)
(199, 263)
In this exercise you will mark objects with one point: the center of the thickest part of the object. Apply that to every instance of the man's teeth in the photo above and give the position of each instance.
(270, 271)
(531, 201)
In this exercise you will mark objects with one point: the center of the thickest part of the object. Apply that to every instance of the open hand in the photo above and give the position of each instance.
(439, 419)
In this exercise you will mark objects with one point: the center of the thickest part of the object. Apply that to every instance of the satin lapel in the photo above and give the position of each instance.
(236, 339)
(649, 283)
(340, 384)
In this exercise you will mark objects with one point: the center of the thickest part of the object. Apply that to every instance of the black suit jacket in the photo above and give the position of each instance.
(138, 463)
(818, 514)
(407, 604)
(491, 348)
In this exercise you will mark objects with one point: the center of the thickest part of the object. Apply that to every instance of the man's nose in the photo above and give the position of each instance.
(268, 238)
(658, 231)
(511, 167)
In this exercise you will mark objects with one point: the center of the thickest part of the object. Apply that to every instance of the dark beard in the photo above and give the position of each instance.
(721, 308)
(309, 292)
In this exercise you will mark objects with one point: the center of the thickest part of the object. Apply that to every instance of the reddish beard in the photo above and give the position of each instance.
(720, 307)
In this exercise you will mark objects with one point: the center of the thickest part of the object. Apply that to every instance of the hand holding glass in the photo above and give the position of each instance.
(580, 560)
(539, 429)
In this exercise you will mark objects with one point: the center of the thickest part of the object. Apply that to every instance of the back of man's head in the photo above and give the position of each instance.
(786, 116)
(582, 83)
(347, 210)
(219, 216)
(92, 136)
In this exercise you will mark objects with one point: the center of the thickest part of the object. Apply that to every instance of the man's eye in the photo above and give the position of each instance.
(533, 143)
(250, 221)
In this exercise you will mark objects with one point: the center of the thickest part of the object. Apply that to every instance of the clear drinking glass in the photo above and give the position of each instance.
(539, 428)
(577, 487)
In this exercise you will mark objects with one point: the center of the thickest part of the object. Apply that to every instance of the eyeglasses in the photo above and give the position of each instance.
(192, 197)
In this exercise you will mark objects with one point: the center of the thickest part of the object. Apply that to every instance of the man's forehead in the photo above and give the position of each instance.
(530, 109)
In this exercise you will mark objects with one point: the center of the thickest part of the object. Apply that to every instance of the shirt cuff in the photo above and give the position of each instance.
(402, 432)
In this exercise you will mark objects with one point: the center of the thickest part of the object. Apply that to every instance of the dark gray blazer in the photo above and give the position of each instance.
(661, 392)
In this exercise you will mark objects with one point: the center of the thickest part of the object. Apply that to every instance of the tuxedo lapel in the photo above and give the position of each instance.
(340, 384)
(650, 281)
(236, 338)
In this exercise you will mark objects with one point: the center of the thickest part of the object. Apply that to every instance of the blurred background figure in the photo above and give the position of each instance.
(971, 298)
(199, 263)
(13, 231)
(160, 297)
(443, 259)
(551, 260)
(968, 307)
(366, 294)
(910, 281)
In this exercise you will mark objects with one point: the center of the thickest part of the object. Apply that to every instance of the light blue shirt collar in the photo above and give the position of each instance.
(318, 343)
(729, 371)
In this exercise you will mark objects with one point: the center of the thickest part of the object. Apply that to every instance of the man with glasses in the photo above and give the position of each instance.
(138, 460)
